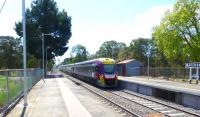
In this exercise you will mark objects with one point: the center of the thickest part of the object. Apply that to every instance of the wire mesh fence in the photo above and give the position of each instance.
(163, 72)
(11, 84)
(166, 72)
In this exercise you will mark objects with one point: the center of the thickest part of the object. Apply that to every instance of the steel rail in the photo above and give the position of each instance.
(190, 113)
(81, 83)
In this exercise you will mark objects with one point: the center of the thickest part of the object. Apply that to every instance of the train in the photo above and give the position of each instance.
(100, 72)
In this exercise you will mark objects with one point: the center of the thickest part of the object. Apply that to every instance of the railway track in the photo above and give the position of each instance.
(167, 110)
(106, 100)
(129, 104)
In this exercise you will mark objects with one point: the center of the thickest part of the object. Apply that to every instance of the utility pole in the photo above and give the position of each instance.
(46, 58)
(24, 52)
(43, 56)
(112, 52)
(148, 56)
(50, 34)
(148, 66)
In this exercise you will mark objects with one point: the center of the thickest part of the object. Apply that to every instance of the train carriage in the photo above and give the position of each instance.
(101, 72)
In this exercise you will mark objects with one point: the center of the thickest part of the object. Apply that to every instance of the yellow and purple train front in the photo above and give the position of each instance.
(106, 72)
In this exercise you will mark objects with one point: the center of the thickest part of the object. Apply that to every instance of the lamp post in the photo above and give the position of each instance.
(46, 58)
(24, 51)
(50, 34)
(112, 52)
(148, 64)
(148, 56)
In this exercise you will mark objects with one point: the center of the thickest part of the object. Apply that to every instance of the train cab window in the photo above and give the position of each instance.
(109, 68)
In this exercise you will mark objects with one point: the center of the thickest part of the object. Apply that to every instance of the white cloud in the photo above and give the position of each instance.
(92, 36)
(11, 13)
(147, 20)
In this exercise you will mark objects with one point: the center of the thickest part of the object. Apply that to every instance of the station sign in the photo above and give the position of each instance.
(195, 64)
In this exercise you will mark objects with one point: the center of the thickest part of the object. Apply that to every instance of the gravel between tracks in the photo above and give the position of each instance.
(171, 104)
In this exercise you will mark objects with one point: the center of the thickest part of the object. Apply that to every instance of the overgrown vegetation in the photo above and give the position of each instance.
(10, 53)
(178, 35)
(15, 88)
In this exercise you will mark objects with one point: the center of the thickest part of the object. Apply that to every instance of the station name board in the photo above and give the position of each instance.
(195, 64)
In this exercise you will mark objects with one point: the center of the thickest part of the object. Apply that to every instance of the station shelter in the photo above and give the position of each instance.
(129, 68)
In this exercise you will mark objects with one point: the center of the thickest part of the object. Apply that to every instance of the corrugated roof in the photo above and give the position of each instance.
(125, 61)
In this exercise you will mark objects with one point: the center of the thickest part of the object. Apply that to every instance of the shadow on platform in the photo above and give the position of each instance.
(23, 112)
(54, 76)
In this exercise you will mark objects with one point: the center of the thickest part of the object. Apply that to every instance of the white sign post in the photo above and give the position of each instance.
(195, 65)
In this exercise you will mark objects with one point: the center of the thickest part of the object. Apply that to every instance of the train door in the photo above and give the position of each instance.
(123, 69)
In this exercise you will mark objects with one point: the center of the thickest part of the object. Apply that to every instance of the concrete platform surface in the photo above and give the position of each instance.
(94, 105)
(182, 87)
(50, 99)
(60, 97)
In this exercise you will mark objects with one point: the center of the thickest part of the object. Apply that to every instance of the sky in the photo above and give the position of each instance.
(97, 21)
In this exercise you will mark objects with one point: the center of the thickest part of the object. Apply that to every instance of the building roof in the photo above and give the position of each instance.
(125, 61)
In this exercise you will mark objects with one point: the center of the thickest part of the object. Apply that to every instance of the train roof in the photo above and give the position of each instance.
(102, 60)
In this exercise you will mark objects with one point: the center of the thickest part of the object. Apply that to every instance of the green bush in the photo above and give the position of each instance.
(2, 82)
(14, 89)
(2, 98)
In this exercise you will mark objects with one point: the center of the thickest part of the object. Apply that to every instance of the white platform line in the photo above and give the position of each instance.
(74, 107)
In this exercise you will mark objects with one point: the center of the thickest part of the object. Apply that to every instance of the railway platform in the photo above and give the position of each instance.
(50, 99)
(180, 92)
(60, 97)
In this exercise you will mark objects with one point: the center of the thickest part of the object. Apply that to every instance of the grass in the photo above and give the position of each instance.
(2, 93)
(14, 89)
(2, 99)
(2, 82)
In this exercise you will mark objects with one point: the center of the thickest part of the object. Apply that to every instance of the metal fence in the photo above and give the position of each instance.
(11, 84)
(166, 72)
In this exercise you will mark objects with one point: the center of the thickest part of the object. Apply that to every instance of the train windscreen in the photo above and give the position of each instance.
(109, 68)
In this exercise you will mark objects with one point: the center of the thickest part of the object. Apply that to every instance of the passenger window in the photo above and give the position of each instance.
(96, 68)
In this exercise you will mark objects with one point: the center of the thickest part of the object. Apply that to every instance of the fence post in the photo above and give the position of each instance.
(34, 76)
(197, 75)
(7, 87)
(190, 75)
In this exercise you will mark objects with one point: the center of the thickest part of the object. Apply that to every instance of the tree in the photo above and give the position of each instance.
(50, 64)
(178, 35)
(92, 56)
(110, 49)
(124, 54)
(32, 62)
(139, 49)
(44, 17)
(10, 53)
(78, 54)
